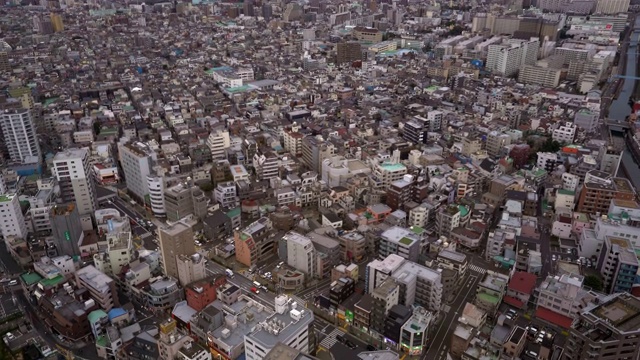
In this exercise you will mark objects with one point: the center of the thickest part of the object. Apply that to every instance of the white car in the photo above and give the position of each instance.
(553, 257)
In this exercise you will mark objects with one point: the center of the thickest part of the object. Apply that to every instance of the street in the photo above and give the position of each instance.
(138, 229)
(441, 340)
(242, 282)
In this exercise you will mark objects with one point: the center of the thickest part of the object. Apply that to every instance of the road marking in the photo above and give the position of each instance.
(477, 269)
(331, 340)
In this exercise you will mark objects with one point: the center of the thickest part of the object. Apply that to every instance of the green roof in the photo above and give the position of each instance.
(5, 198)
(30, 278)
(101, 341)
(393, 167)
(417, 230)
(237, 89)
(233, 212)
(50, 101)
(463, 210)
(96, 315)
(52, 282)
(488, 298)
(566, 192)
(406, 241)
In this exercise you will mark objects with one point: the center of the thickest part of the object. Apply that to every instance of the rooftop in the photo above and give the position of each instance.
(410, 270)
(400, 235)
(280, 327)
(94, 278)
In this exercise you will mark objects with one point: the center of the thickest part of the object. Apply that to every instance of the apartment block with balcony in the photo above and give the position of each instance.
(226, 195)
(400, 241)
(490, 291)
(255, 242)
(384, 298)
(419, 285)
(599, 189)
(606, 330)
(618, 264)
(101, 287)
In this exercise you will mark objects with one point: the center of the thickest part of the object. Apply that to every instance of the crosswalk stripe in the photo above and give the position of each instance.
(477, 269)
(331, 340)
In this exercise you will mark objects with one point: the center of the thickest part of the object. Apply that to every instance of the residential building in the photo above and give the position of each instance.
(340, 290)
(565, 134)
(496, 142)
(226, 195)
(190, 268)
(612, 7)
(378, 271)
(157, 186)
(218, 142)
(118, 254)
(598, 191)
(384, 298)
(171, 340)
(66, 315)
(618, 264)
(348, 52)
(266, 165)
(175, 240)
(101, 288)
(490, 291)
(137, 160)
(448, 218)
(515, 343)
(301, 253)
(400, 241)
(507, 59)
(388, 172)
(19, 133)
(12, 222)
(291, 325)
(255, 242)
(414, 333)
(72, 169)
(293, 140)
(586, 119)
(419, 285)
(396, 318)
(201, 293)
(520, 289)
(400, 192)
(456, 261)
(540, 75)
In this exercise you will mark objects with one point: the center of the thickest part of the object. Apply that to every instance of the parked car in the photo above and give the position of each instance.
(340, 338)
(255, 290)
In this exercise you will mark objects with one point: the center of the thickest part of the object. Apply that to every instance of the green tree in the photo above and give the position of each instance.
(550, 146)
(206, 187)
(593, 282)
(97, 127)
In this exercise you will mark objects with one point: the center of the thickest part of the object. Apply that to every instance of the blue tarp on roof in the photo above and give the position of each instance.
(115, 312)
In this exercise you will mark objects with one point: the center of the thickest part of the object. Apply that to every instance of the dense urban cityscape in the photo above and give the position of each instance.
(320, 180)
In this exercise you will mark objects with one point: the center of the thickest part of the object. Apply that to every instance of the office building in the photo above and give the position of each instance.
(175, 240)
(136, 159)
(184, 199)
(11, 219)
(618, 264)
(191, 268)
(599, 189)
(101, 288)
(291, 325)
(612, 7)
(66, 229)
(72, 169)
(400, 241)
(301, 254)
(395, 320)
(255, 242)
(419, 285)
(384, 298)
(19, 133)
(267, 12)
(606, 330)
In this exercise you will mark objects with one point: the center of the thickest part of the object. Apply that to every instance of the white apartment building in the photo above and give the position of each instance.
(137, 160)
(388, 172)
(156, 186)
(11, 219)
(40, 208)
(378, 271)
(435, 118)
(218, 142)
(564, 294)
(119, 253)
(226, 195)
(72, 169)
(418, 216)
(239, 173)
(301, 254)
(419, 285)
(570, 182)
(507, 59)
(565, 133)
(101, 287)
(539, 75)
(266, 165)
(20, 137)
(612, 7)
(291, 325)
(400, 241)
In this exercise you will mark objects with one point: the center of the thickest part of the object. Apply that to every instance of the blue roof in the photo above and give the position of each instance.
(115, 312)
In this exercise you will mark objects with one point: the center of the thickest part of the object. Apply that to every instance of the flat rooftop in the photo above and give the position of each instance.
(623, 312)
(410, 270)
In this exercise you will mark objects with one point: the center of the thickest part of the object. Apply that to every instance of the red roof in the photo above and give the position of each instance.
(523, 282)
(553, 317)
(513, 301)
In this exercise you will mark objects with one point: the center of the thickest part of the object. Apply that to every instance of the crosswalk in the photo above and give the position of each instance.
(331, 340)
(477, 269)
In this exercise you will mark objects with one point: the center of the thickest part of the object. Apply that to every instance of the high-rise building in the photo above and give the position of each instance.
(348, 52)
(156, 186)
(606, 330)
(218, 142)
(56, 22)
(11, 218)
(400, 241)
(301, 254)
(247, 8)
(599, 189)
(618, 264)
(137, 160)
(72, 169)
(182, 200)
(612, 7)
(509, 58)
(419, 285)
(19, 132)
(175, 240)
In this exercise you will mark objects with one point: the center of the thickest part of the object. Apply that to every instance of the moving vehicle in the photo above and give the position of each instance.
(229, 273)
(255, 290)
(257, 284)
(13, 282)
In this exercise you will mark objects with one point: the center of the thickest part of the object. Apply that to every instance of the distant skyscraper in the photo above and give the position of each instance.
(56, 22)
(267, 11)
(247, 8)
(19, 134)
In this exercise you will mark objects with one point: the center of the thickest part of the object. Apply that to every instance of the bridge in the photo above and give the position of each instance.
(621, 124)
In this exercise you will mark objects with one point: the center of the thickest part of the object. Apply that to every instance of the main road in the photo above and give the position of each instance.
(440, 343)
(242, 282)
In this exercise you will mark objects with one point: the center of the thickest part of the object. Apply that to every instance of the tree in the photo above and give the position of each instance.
(206, 187)
(594, 282)
(97, 127)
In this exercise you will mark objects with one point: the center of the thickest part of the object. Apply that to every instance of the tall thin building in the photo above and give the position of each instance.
(175, 240)
(612, 7)
(267, 12)
(19, 132)
(248, 8)
(137, 160)
(11, 219)
(72, 169)
(56, 22)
